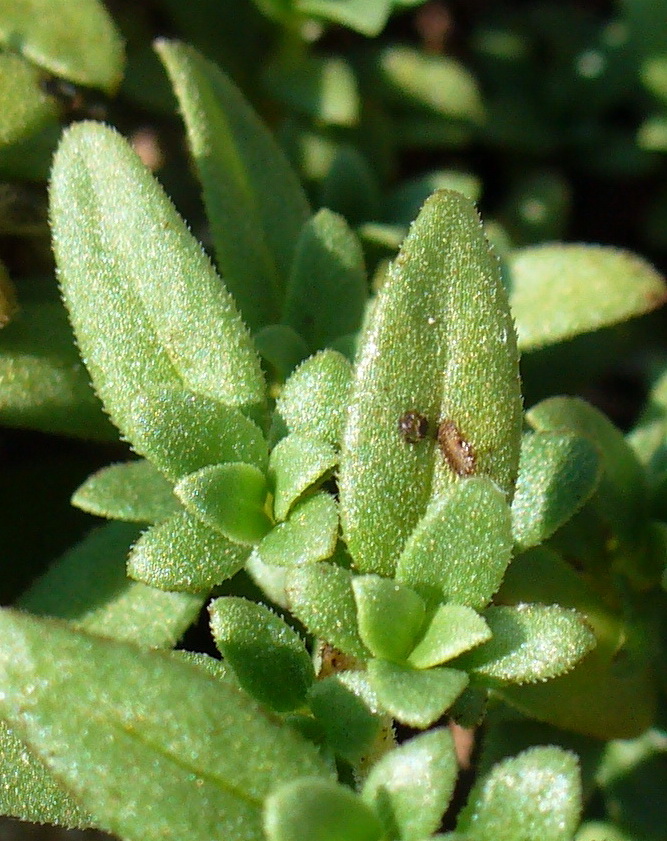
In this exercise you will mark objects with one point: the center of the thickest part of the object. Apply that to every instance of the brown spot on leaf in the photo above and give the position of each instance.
(457, 452)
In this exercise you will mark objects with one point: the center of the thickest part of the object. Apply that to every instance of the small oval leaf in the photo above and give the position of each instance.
(296, 463)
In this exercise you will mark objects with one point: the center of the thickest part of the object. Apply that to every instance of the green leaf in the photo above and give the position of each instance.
(296, 463)
(413, 696)
(314, 399)
(535, 796)
(116, 724)
(557, 474)
(230, 498)
(461, 547)
(365, 16)
(131, 490)
(44, 384)
(452, 629)
(321, 597)
(348, 725)
(255, 205)
(268, 658)
(29, 126)
(559, 291)
(76, 40)
(89, 587)
(410, 787)
(434, 83)
(350, 186)
(282, 348)
(531, 642)
(160, 319)
(308, 535)
(184, 554)
(439, 341)
(596, 830)
(327, 290)
(389, 616)
(319, 810)
(406, 200)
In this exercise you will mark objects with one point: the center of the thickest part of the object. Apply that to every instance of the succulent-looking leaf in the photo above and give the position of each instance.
(414, 696)
(159, 318)
(254, 202)
(314, 398)
(296, 463)
(75, 39)
(559, 291)
(89, 587)
(308, 535)
(132, 490)
(348, 724)
(405, 201)
(530, 643)
(411, 786)
(230, 498)
(175, 747)
(452, 629)
(439, 341)
(365, 16)
(327, 288)
(184, 554)
(389, 616)
(557, 474)
(282, 349)
(535, 796)
(321, 596)
(268, 658)
(319, 810)
(461, 547)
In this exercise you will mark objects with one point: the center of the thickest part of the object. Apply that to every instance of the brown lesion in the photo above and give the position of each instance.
(332, 661)
(413, 426)
(458, 452)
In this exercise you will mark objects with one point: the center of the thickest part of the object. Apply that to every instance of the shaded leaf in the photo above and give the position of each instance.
(365, 16)
(281, 348)
(406, 200)
(452, 629)
(348, 725)
(308, 535)
(389, 616)
(296, 463)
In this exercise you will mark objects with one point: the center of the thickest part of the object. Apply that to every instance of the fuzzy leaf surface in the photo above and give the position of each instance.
(557, 474)
(308, 535)
(296, 463)
(319, 810)
(327, 290)
(255, 205)
(461, 547)
(180, 751)
(314, 399)
(389, 616)
(348, 725)
(156, 296)
(453, 629)
(410, 787)
(268, 657)
(89, 587)
(415, 697)
(535, 796)
(321, 596)
(439, 341)
(75, 39)
(184, 554)
(132, 490)
(531, 642)
(229, 498)
(561, 290)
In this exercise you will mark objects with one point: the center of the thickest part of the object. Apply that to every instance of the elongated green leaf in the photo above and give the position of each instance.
(531, 642)
(229, 498)
(44, 384)
(348, 724)
(535, 796)
(405, 201)
(413, 696)
(461, 547)
(89, 587)
(557, 474)
(559, 291)
(453, 629)
(327, 289)
(296, 463)
(153, 747)
(184, 554)
(439, 341)
(255, 205)
(320, 596)
(132, 490)
(411, 786)
(281, 349)
(319, 810)
(159, 318)
(268, 658)
(314, 399)
(389, 616)
(308, 535)
(75, 39)
(365, 16)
